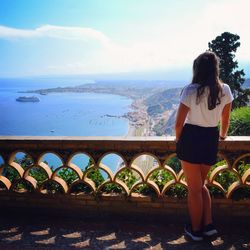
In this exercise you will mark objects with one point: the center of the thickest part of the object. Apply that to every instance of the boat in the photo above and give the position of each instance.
(27, 99)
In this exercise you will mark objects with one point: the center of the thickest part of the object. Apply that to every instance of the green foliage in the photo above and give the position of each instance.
(161, 177)
(175, 164)
(25, 162)
(219, 163)
(240, 122)
(13, 175)
(145, 190)
(127, 177)
(241, 193)
(68, 175)
(112, 188)
(226, 178)
(23, 185)
(53, 187)
(39, 174)
(243, 167)
(177, 191)
(216, 192)
(10, 173)
(225, 46)
(81, 187)
(96, 176)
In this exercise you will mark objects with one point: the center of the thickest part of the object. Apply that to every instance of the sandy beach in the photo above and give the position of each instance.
(138, 119)
(131, 130)
(139, 126)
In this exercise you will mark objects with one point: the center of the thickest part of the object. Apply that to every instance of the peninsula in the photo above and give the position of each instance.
(152, 110)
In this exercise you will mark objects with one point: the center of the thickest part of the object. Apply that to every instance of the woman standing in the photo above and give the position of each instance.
(203, 103)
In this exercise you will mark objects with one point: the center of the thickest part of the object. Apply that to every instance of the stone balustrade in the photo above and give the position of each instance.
(139, 165)
(133, 152)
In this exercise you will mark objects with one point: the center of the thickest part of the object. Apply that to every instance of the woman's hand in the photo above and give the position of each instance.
(222, 138)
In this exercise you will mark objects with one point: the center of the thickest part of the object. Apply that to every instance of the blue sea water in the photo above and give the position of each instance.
(61, 114)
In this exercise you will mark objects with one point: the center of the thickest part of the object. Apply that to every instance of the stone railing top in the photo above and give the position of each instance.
(112, 138)
(121, 143)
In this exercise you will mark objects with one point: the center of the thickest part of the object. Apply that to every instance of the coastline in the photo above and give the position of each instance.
(145, 162)
(131, 130)
(138, 119)
(139, 125)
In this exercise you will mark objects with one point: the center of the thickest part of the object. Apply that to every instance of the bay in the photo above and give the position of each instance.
(62, 114)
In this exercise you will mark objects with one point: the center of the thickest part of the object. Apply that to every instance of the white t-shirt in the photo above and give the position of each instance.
(199, 114)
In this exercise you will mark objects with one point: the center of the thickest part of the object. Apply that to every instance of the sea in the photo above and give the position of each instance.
(62, 114)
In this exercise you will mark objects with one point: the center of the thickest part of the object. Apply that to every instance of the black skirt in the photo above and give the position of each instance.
(198, 145)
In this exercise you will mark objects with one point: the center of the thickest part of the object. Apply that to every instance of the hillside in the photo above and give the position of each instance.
(159, 102)
(161, 107)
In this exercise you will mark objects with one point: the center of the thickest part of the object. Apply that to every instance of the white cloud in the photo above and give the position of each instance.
(227, 15)
(8, 33)
(52, 31)
(180, 41)
(175, 43)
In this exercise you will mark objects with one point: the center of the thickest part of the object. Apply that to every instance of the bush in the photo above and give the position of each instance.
(240, 122)
(160, 177)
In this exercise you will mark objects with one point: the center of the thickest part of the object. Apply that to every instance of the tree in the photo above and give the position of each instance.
(225, 46)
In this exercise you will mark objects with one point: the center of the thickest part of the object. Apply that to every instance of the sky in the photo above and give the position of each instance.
(60, 37)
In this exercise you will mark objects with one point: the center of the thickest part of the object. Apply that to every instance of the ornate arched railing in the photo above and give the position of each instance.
(150, 164)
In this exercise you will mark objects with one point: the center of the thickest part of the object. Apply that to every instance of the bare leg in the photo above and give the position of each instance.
(193, 176)
(207, 208)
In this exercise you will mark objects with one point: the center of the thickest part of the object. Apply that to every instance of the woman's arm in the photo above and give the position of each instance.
(180, 119)
(225, 119)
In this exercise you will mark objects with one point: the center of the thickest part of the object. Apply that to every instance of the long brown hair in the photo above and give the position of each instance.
(206, 73)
